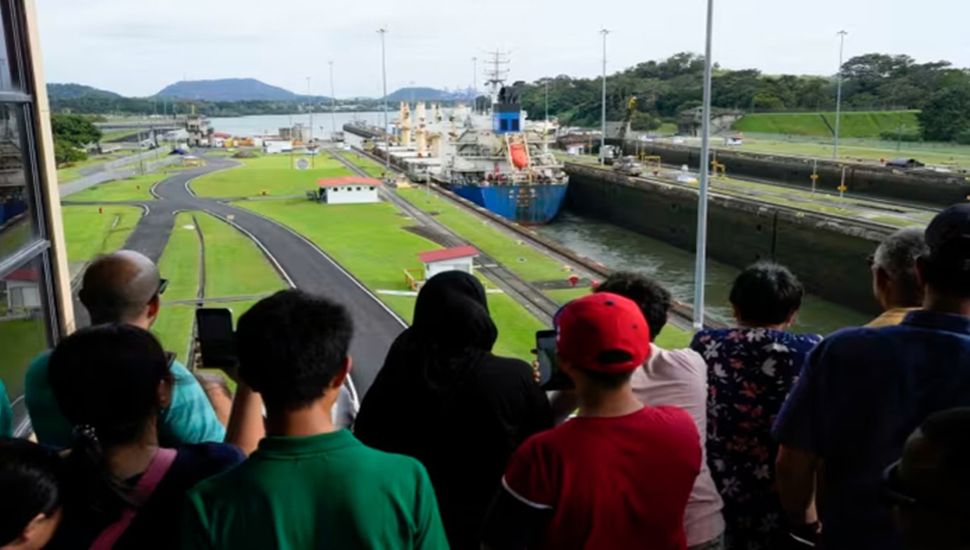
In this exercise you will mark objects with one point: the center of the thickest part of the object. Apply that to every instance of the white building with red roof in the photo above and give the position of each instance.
(22, 289)
(349, 190)
(459, 258)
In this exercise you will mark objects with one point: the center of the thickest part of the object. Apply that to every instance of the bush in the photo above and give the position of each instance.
(66, 153)
(963, 138)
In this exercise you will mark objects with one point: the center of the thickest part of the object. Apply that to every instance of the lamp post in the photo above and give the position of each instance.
(604, 32)
(387, 138)
(838, 100)
(700, 265)
(333, 104)
(310, 105)
(474, 84)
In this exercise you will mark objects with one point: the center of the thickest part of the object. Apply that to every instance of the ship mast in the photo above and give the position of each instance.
(498, 71)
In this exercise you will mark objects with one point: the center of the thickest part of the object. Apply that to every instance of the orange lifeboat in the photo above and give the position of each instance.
(519, 154)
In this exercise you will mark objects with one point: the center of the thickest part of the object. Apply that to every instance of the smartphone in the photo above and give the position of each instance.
(217, 342)
(550, 377)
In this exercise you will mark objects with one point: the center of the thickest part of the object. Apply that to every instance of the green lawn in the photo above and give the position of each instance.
(372, 168)
(234, 266)
(272, 175)
(522, 259)
(135, 188)
(174, 328)
(117, 135)
(20, 341)
(90, 233)
(180, 260)
(853, 124)
(869, 150)
(370, 241)
(14, 237)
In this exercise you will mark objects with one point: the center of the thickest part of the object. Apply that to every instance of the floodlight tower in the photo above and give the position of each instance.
(838, 100)
(387, 138)
(700, 258)
(604, 32)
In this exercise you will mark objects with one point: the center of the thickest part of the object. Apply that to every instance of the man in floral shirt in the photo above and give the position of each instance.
(751, 369)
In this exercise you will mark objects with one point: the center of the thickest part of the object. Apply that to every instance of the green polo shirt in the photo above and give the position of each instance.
(6, 413)
(188, 420)
(322, 491)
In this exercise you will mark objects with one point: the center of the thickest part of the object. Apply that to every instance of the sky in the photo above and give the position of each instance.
(136, 47)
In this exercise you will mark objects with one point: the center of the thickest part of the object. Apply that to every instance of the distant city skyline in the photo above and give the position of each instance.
(137, 48)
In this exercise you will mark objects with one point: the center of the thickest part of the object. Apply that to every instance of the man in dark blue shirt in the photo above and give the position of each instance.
(864, 390)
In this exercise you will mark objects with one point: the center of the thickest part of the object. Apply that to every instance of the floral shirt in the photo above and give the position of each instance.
(750, 372)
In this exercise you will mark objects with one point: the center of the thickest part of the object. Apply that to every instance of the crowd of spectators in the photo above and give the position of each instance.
(754, 437)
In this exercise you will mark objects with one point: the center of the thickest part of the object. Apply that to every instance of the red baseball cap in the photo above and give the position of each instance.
(603, 332)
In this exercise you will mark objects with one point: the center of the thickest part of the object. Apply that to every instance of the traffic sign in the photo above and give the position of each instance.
(302, 164)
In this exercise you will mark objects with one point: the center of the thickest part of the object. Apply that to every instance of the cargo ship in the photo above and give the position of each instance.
(502, 162)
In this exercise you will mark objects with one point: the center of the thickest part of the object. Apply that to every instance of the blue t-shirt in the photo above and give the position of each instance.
(6, 413)
(188, 420)
(861, 393)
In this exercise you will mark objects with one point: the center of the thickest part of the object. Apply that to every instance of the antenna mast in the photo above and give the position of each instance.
(497, 73)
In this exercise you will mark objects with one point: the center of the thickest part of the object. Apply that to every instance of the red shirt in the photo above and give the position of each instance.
(619, 482)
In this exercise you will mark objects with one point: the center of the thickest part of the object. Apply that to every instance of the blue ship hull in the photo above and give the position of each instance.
(525, 204)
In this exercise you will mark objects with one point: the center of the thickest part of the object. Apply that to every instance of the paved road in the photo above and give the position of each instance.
(115, 170)
(307, 266)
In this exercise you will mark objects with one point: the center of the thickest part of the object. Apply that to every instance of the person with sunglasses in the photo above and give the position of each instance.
(125, 287)
(927, 487)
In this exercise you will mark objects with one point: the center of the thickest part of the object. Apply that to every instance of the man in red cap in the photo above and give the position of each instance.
(619, 474)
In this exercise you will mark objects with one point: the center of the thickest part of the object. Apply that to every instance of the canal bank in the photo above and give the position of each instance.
(827, 252)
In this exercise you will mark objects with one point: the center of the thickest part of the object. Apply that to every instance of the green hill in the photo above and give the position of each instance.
(861, 124)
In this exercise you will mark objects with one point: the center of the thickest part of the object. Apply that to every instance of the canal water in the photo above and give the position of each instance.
(618, 248)
(323, 123)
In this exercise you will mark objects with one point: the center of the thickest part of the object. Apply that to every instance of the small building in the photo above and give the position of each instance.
(276, 146)
(459, 258)
(22, 289)
(191, 161)
(348, 190)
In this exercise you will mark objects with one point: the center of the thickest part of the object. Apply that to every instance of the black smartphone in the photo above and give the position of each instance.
(216, 339)
(550, 377)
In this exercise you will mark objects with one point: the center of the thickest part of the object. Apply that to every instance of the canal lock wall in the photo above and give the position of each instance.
(827, 254)
(922, 186)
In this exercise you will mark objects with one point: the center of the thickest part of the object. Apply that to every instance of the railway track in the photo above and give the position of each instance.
(522, 291)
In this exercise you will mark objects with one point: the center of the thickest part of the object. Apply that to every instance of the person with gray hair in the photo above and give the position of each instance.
(895, 283)
(124, 287)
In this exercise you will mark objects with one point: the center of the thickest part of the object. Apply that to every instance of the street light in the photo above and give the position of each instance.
(310, 101)
(333, 104)
(387, 138)
(700, 265)
(604, 32)
(838, 101)
(474, 84)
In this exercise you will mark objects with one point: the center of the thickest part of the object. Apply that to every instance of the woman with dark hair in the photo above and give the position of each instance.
(751, 369)
(124, 490)
(30, 509)
(445, 399)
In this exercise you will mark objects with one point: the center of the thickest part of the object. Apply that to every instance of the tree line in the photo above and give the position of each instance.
(667, 88)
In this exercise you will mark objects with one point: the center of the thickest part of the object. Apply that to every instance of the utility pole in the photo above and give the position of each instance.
(474, 84)
(838, 100)
(604, 32)
(547, 102)
(700, 258)
(333, 104)
(387, 138)
(310, 105)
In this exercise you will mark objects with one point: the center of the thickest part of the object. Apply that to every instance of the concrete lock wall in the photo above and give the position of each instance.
(828, 256)
(921, 185)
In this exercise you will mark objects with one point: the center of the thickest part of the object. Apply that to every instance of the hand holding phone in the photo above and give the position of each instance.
(216, 339)
(550, 377)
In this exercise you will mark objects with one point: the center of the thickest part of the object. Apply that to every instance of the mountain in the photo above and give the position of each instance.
(227, 89)
(419, 93)
(58, 91)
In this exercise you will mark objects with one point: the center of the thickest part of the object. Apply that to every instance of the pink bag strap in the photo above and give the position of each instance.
(159, 466)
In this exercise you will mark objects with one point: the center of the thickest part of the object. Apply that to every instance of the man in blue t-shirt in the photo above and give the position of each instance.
(124, 287)
(864, 390)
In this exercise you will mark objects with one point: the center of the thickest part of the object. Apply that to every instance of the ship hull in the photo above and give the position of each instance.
(525, 204)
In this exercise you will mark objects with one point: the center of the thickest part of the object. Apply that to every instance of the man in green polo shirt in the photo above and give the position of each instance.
(310, 484)
(124, 287)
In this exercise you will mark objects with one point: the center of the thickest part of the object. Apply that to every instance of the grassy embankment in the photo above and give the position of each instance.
(72, 171)
(864, 124)
(234, 267)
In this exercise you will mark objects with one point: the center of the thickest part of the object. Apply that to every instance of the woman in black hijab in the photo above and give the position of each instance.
(443, 398)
